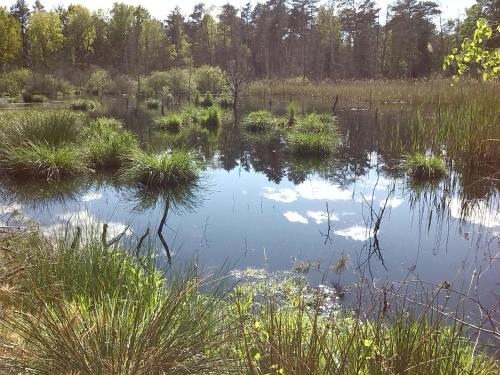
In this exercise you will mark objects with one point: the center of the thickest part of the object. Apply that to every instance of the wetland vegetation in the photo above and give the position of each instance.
(287, 188)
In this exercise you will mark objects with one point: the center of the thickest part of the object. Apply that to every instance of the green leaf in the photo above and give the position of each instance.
(367, 342)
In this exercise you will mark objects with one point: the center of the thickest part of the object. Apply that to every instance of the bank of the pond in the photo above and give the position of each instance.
(74, 304)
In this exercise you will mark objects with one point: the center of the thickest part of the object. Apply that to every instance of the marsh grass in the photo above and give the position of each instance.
(259, 121)
(83, 105)
(96, 310)
(212, 118)
(171, 122)
(28, 97)
(422, 167)
(313, 135)
(43, 161)
(168, 169)
(109, 145)
(208, 100)
(91, 309)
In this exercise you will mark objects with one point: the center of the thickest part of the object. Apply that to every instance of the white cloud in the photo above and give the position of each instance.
(356, 232)
(280, 195)
(295, 217)
(9, 208)
(393, 202)
(321, 216)
(91, 196)
(481, 213)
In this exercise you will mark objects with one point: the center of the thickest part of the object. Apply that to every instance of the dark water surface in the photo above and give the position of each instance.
(260, 208)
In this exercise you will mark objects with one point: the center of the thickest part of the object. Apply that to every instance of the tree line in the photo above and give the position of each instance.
(278, 38)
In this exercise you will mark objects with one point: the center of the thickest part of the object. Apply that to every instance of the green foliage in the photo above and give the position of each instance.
(210, 79)
(124, 85)
(49, 85)
(475, 53)
(42, 160)
(291, 114)
(45, 33)
(10, 40)
(83, 105)
(119, 312)
(99, 81)
(314, 135)
(175, 80)
(260, 121)
(109, 145)
(15, 81)
(421, 167)
(212, 118)
(28, 97)
(171, 122)
(208, 100)
(169, 169)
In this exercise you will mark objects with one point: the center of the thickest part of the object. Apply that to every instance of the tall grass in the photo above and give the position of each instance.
(259, 121)
(109, 145)
(168, 169)
(82, 307)
(313, 135)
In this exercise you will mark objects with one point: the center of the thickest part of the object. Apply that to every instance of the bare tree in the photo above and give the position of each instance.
(237, 77)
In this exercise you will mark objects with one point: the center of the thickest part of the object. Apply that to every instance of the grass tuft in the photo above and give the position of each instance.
(168, 169)
(84, 105)
(171, 122)
(313, 135)
(259, 121)
(421, 167)
(212, 118)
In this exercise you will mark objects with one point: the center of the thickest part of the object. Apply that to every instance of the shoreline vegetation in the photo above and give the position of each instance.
(125, 314)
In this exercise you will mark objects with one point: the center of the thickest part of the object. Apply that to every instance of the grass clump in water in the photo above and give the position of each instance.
(425, 168)
(109, 145)
(259, 121)
(28, 97)
(155, 170)
(43, 160)
(313, 135)
(208, 100)
(83, 105)
(212, 118)
(171, 122)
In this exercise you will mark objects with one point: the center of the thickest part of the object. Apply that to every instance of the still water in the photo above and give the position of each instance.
(259, 208)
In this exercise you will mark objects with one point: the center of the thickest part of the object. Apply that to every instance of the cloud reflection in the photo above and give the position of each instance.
(311, 190)
(295, 217)
(356, 232)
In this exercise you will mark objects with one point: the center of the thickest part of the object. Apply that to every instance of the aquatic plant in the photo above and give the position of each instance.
(422, 167)
(259, 121)
(212, 117)
(167, 169)
(83, 105)
(171, 122)
(313, 135)
(50, 127)
(208, 100)
(109, 145)
(42, 160)
(291, 114)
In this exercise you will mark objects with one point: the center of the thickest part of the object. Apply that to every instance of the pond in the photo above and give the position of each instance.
(258, 208)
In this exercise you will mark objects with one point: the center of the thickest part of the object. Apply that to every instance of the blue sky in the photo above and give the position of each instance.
(160, 8)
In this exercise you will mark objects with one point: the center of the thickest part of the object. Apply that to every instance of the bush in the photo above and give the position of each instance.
(49, 85)
(259, 121)
(83, 105)
(109, 145)
(163, 170)
(210, 79)
(42, 161)
(28, 97)
(208, 100)
(176, 80)
(421, 167)
(15, 81)
(124, 85)
(99, 81)
(170, 122)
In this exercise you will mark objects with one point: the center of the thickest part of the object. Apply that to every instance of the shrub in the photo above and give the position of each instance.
(167, 169)
(124, 85)
(176, 80)
(210, 79)
(15, 81)
(99, 81)
(49, 85)
(28, 97)
(259, 121)
(170, 122)
(42, 160)
(109, 145)
(83, 105)
(421, 167)
(152, 104)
